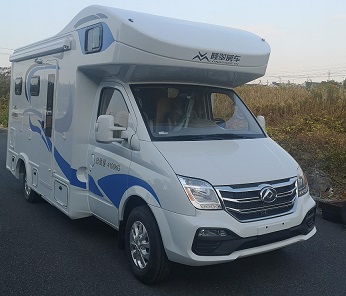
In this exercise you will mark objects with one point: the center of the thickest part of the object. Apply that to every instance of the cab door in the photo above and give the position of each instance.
(108, 162)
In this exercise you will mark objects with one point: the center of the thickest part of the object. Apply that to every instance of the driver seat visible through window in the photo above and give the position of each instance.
(163, 114)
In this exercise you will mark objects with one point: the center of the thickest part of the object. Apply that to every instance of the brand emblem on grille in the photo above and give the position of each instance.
(268, 194)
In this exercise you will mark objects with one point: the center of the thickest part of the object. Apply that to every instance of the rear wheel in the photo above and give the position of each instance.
(29, 194)
(144, 248)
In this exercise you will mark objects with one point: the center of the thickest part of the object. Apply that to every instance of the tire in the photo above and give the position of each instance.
(29, 194)
(144, 248)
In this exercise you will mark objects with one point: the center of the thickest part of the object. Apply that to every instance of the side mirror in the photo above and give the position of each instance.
(105, 129)
(261, 120)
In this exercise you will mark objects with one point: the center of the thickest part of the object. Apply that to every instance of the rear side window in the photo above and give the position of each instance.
(93, 39)
(18, 82)
(35, 86)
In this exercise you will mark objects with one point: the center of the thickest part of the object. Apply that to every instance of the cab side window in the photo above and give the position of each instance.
(113, 103)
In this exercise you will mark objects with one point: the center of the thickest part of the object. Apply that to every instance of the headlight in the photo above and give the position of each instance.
(303, 186)
(200, 193)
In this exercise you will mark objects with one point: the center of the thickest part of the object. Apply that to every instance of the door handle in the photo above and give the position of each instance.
(92, 162)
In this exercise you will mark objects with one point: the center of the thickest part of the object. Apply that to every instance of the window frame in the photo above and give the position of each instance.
(100, 39)
(35, 88)
(207, 90)
(18, 86)
(102, 98)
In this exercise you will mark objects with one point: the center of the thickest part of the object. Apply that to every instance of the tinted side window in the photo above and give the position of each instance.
(35, 86)
(93, 39)
(49, 110)
(18, 82)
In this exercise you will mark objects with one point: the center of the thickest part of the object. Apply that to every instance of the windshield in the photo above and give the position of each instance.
(188, 112)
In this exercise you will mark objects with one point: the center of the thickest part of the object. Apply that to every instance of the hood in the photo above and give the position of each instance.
(228, 162)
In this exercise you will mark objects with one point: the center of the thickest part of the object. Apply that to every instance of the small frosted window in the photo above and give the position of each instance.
(18, 86)
(35, 86)
(93, 39)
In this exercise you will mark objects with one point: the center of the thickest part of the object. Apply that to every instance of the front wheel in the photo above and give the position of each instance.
(29, 194)
(144, 248)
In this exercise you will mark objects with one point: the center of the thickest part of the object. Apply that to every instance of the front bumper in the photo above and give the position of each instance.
(230, 242)
(183, 245)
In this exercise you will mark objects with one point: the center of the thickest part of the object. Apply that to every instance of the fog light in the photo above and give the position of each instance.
(211, 232)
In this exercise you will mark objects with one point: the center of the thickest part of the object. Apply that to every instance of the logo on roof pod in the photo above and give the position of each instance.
(201, 57)
(268, 194)
(219, 58)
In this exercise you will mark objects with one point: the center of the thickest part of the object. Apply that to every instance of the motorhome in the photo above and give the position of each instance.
(132, 118)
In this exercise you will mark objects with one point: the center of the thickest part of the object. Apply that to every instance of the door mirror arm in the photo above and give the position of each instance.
(130, 136)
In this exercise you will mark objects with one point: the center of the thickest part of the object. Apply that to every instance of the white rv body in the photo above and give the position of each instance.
(57, 134)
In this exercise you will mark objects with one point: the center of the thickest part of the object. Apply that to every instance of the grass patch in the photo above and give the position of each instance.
(309, 123)
(3, 112)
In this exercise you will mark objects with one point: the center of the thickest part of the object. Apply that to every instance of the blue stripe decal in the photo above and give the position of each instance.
(38, 129)
(34, 111)
(114, 186)
(34, 128)
(45, 142)
(93, 187)
(68, 171)
(49, 143)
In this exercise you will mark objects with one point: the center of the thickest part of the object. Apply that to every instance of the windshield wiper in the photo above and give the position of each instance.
(202, 137)
(188, 138)
(231, 136)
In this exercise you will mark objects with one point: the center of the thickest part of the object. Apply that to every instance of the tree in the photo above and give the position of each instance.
(5, 79)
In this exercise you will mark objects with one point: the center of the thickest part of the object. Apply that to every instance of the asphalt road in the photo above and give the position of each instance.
(43, 252)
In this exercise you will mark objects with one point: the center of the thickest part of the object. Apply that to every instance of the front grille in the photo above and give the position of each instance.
(244, 201)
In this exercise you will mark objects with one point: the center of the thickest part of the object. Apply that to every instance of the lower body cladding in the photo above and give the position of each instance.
(212, 237)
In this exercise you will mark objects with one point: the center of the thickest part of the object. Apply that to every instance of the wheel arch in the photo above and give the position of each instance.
(131, 203)
(22, 166)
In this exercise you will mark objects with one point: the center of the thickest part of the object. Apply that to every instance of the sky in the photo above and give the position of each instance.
(307, 37)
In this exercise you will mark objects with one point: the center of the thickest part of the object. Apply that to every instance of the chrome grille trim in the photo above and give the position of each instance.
(244, 203)
(254, 210)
